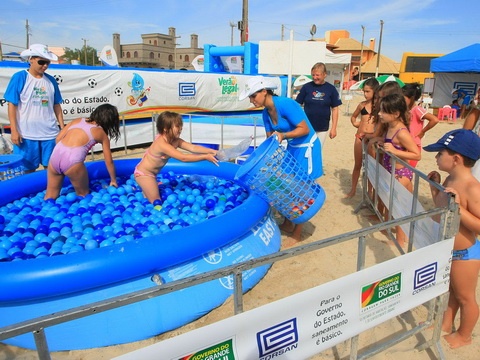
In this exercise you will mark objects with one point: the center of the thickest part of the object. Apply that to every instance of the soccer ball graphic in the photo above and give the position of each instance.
(92, 83)
(118, 91)
(58, 78)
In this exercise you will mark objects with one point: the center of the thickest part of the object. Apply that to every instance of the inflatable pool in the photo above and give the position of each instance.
(36, 287)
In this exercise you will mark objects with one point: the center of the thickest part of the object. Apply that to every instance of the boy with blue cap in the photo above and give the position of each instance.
(457, 152)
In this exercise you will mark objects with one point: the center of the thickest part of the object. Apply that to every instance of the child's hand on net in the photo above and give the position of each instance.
(211, 158)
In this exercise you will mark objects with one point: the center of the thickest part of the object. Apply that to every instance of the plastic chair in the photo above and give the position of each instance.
(447, 112)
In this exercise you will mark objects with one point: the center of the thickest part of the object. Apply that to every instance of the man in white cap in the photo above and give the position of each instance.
(34, 109)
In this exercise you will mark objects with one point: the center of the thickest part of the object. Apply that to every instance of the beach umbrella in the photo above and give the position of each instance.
(302, 80)
(381, 80)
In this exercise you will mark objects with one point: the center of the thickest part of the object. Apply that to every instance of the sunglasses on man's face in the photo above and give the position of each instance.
(43, 62)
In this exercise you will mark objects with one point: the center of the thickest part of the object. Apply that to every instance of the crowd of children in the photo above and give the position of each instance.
(399, 126)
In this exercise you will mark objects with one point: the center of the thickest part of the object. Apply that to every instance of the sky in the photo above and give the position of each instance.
(426, 26)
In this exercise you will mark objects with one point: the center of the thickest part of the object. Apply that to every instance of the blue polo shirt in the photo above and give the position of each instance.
(317, 101)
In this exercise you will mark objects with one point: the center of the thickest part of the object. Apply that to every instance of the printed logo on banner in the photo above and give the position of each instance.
(139, 94)
(213, 257)
(186, 90)
(425, 278)
(228, 87)
(277, 339)
(381, 291)
(468, 86)
(221, 351)
(227, 282)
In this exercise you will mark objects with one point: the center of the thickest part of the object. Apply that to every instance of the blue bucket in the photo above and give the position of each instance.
(274, 175)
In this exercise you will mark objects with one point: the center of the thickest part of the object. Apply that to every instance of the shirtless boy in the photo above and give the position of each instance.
(457, 152)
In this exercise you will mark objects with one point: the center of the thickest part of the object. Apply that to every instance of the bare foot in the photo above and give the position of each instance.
(455, 340)
(402, 244)
(443, 332)
(287, 227)
(448, 330)
(351, 194)
(373, 218)
(289, 242)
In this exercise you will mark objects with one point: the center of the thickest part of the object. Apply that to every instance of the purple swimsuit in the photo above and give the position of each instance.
(64, 157)
(403, 171)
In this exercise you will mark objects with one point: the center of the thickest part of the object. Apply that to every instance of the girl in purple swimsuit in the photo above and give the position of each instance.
(73, 144)
(398, 141)
(169, 127)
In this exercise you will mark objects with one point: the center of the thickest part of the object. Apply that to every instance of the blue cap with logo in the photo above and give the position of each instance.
(462, 141)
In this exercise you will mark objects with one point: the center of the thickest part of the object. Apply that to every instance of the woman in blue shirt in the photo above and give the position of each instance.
(285, 118)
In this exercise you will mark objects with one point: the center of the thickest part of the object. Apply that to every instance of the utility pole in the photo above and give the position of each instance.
(379, 48)
(361, 55)
(283, 32)
(28, 33)
(85, 49)
(244, 29)
(232, 25)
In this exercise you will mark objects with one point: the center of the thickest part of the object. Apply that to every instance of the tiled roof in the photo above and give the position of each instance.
(349, 44)
(386, 66)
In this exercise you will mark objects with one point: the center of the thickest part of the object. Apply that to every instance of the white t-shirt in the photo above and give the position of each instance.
(35, 116)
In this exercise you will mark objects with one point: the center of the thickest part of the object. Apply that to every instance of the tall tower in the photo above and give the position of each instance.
(116, 44)
(194, 41)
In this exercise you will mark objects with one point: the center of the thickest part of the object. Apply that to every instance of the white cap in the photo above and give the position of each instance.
(256, 84)
(40, 51)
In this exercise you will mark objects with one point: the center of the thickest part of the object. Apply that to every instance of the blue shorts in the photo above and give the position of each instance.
(34, 152)
(472, 253)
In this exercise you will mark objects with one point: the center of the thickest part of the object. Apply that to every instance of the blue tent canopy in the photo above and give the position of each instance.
(461, 61)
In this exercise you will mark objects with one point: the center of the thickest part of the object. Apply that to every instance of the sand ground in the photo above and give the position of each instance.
(305, 271)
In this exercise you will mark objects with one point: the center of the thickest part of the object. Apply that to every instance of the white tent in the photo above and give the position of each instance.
(298, 57)
(336, 65)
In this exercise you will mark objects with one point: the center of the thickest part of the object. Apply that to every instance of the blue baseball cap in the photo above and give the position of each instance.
(462, 141)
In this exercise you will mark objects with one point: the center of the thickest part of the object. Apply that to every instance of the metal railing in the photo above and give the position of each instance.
(449, 220)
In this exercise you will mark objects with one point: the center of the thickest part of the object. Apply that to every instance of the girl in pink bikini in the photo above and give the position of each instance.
(73, 144)
(398, 141)
(169, 127)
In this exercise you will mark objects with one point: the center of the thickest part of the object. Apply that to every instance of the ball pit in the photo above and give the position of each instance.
(74, 251)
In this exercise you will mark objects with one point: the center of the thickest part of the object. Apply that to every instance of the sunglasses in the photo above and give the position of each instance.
(43, 62)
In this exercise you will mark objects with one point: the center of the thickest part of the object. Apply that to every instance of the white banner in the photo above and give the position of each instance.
(427, 231)
(304, 324)
(138, 92)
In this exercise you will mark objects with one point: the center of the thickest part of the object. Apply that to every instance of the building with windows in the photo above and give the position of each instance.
(157, 50)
